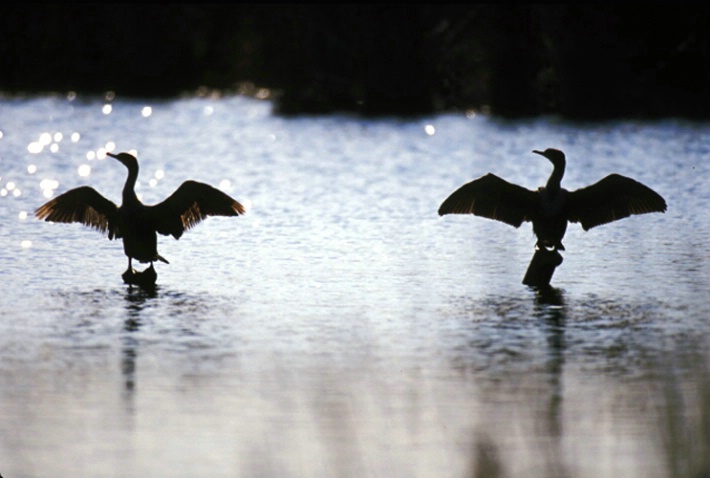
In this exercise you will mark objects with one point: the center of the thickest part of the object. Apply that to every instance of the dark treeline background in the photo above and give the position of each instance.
(581, 61)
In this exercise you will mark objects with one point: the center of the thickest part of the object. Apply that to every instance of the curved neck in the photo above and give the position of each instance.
(129, 193)
(553, 183)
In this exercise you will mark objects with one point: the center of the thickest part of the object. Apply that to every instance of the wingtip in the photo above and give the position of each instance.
(444, 210)
(239, 209)
(41, 212)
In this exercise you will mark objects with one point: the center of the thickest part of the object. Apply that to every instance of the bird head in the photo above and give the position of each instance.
(128, 160)
(556, 156)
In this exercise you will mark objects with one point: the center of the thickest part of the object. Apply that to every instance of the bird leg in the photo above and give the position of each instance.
(130, 270)
(128, 276)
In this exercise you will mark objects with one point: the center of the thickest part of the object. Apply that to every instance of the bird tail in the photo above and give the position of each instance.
(161, 258)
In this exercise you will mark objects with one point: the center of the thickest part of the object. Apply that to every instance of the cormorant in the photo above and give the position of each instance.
(551, 207)
(135, 222)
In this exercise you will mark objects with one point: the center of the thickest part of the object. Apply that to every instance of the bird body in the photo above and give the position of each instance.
(134, 222)
(140, 240)
(550, 222)
(551, 207)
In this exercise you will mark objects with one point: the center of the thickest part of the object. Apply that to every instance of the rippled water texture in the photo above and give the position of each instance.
(340, 327)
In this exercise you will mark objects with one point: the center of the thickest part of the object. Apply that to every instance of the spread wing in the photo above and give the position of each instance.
(614, 197)
(83, 205)
(494, 198)
(189, 205)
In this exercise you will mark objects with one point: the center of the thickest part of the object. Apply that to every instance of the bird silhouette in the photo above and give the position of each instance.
(551, 207)
(135, 222)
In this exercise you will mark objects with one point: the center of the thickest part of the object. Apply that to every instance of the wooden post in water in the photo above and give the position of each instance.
(542, 266)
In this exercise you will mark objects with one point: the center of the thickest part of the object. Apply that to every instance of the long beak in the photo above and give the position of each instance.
(538, 152)
(112, 155)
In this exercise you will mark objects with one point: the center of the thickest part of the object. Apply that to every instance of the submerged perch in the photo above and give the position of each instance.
(542, 266)
(551, 207)
(136, 223)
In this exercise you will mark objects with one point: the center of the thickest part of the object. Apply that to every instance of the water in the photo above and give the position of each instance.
(342, 328)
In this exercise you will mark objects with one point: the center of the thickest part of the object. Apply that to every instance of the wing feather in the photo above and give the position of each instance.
(83, 205)
(610, 199)
(493, 198)
(190, 204)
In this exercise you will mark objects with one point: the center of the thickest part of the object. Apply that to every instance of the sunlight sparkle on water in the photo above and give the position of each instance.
(48, 186)
(107, 109)
(26, 244)
(146, 111)
(225, 185)
(10, 188)
(31, 169)
(84, 170)
(45, 139)
(75, 137)
(159, 174)
(430, 130)
(247, 206)
(22, 215)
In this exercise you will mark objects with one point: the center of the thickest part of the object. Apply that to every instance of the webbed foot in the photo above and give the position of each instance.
(145, 279)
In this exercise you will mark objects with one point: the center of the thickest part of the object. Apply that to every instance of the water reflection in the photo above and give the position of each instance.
(374, 414)
(551, 311)
(551, 408)
(135, 302)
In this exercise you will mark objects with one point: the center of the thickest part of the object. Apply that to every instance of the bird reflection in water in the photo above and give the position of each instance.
(551, 207)
(136, 223)
(519, 381)
(551, 310)
(541, 405)
(135, 305)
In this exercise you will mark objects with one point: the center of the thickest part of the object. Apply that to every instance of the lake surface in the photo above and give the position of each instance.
(341, 327)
